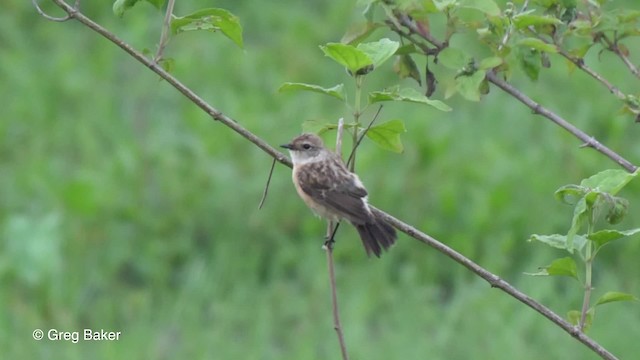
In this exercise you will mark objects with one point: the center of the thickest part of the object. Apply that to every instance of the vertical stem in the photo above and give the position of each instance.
(587, 277)
(356, 120)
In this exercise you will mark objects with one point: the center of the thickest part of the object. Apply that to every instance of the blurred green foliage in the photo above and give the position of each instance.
(123, 207)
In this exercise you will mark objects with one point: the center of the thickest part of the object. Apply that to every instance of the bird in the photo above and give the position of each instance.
(333, 192)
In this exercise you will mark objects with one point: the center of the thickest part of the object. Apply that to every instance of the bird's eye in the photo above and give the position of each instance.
(306, 146)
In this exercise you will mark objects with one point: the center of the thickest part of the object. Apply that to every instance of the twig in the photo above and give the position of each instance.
(613, 46)
(355, 147)
(331, 233)
(188, 93)
(541, 110)
(69, 15)
(164, 36)
(579, 62)
(266, 186)
(494, 280)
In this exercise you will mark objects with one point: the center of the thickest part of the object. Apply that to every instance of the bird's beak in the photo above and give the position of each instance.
(287, 146)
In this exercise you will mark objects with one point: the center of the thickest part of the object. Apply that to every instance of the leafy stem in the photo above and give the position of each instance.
(357, 111)
(587, 276)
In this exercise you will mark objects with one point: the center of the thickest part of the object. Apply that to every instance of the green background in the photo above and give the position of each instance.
(123, 207)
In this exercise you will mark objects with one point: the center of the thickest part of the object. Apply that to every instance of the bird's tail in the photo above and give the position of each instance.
(376, 236)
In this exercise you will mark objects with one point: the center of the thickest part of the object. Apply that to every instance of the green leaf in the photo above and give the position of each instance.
(359, 32)
(469, 85)
(387, 135)
(348, 56)
(453, 58)
(612, 296)
(570, 194)
(525, 20)
(488, 7)
(317, 127)
(559, 241)
(603, 237)
(407, 95)
(537, 44)
(610, 181)
(211, 20)
(120, 6)
(530, 62)
(617, 211)
(580, 216)
(565, 266)
(490, 63)
(405, 67)
(379, 51)
(336, 91)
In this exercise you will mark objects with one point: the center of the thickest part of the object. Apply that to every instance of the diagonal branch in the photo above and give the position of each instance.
(493, 280)
(589, 141)
(491, 76)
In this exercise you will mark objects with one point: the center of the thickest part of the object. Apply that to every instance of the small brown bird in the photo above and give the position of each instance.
(333, 192)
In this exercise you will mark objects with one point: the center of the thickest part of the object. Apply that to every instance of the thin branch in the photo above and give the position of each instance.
(355, 147)
(494, 280)
(536, 107)
(69, 15)
(266, 186)
(613, 47)
(558, 120)
(331, 233)
(579, 62)
(164, 36)
(188, 93)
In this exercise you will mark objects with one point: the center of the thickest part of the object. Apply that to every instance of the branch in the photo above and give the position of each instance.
(579, 62)
(541, 110)
(188, 93)
(493, 280)
(496, 282)
(613, 46)
(164, 35)
(589, 141)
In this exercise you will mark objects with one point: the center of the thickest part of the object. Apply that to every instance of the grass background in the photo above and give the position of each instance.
(123, 207)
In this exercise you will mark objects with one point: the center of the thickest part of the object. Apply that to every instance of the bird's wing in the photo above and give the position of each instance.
(338, 190)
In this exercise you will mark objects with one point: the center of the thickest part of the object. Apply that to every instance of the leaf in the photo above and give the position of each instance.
(408, 95)
(317, 127)
(490, 63)
(120, 6)
(530, 62)
(379, 51)
(612, 296)
(525, 20)
(603, 237)
(348, 56)
(359, 31)
(537, 44)
(387, 135)
(580, 215)
(405, 67)
(570, 194)
(212, 20)
(610, 181)
(469, 85)
(559, 241)
(488, 7)
(336, 91)
(565, 266)
(453, 58)
(617, 211)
